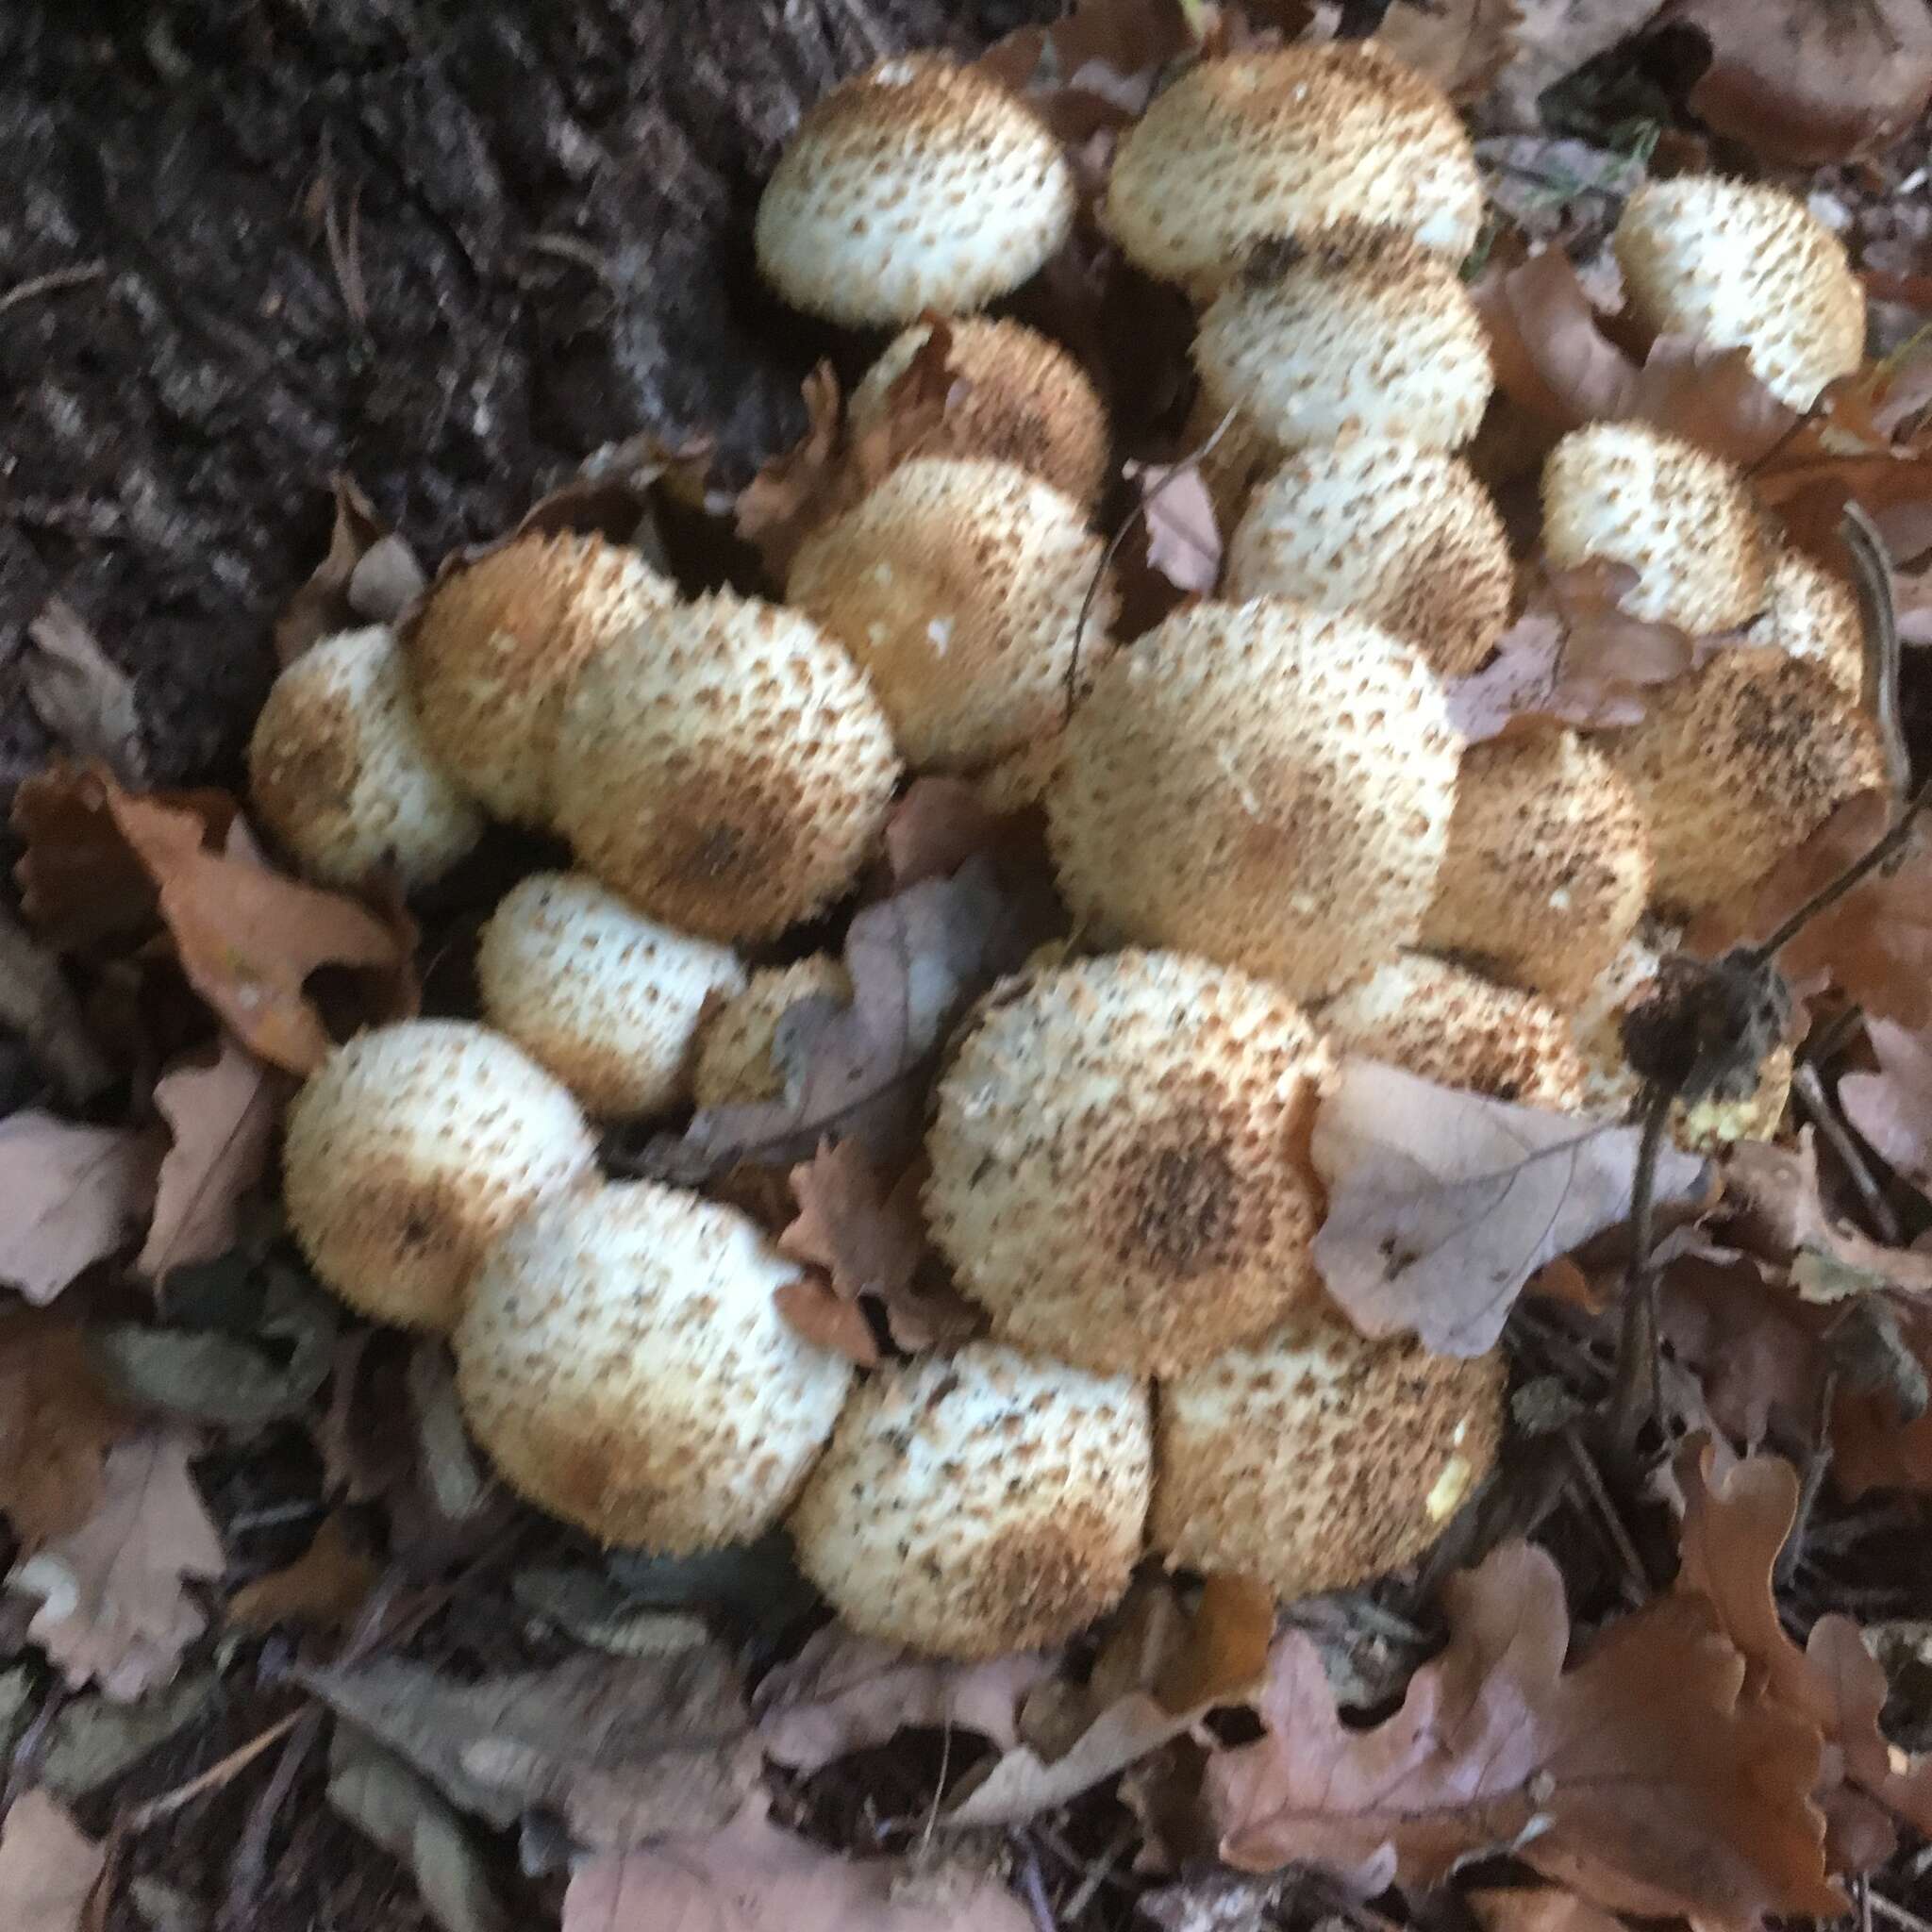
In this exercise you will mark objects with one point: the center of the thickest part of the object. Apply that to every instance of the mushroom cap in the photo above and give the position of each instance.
(411, 1150)
(1402, 535)
(1347, 329)
(1268, 785)
(1119, 1160)
(339, 773)
(1745, 266)
(725, 766)
(958, 583)
(609, 1000)
(624, 1362)
(495, 648)
(1735, 763)
(1434, 1020)
(1260, 144)
(1548, 869)
(918, 184)
(1684, 520)
(1814, 614)
(735, 1061)
(1025, 401)
(1319, 1459)
(978, 1504)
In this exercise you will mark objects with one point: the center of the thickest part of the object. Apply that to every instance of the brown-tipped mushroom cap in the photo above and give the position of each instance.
(625, 1364)
(1548, 869)
(978, 1504)
(958, 583)
(1119, 1160)
(919, 184)
(1267, 786)
(412, 1150)
(494, 649)
(725, 766)
(1401, 535)
(1744, 266)
(1814, 614)
(1319, 1459)
(735, 1061)
(1260, 144)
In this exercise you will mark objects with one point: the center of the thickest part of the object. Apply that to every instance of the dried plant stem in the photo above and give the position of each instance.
(1896, 1914)
(1817, 1463)
(1817, 1103)
(1637, 1395)
(1872, 570)
(1636, 1575)
(52, 283)
(214, 1777)
(250, 1866)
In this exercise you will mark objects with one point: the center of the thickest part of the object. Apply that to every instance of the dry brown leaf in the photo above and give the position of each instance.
(1538, 1908)
(1553, 39)
(58, 1420)
(73, 1196)
(36, 1004)
(84, 698)
(1892, 1107)
(1552, 358)
(1752, 1348)
(369, 575)
(939, 825)
(1784, 1219)
(48, 1867)
(1181, 531)
(1096, 70)
(1463, 45)
(816, 1312)
(324, 1587)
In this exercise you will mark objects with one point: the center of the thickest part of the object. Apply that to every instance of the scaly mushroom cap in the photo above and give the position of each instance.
(411, 1150)
(1813, 614)
(1261, 145)
(1319, 1459)
(725, 766)
(919, 184)
(1434, 1020)
(1347, 330)
(609, 1000)
(493, 651)
(1403, 536)
(1548, 869)
(1682, 519)
(623, 1363)
(735, 1061)
(1119, 1160)
(1267, 786)
(1025, 401)
(1744, 266)
(957, 584)
(978, 1504)
(1737, 763)
(339, 771)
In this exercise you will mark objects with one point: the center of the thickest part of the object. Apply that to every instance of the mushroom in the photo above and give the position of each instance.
(1742, 265)
(1400, 534)
(411, 1150)
(495, 647)
(1682, 519)
(1813, 614)
(1260, 144)
(1319, 1459)
(1548, 869)
(958, 584)
(609, 1000)
(1268, 785)
(623, 1361)
(978, 1504)
(725, 766)
(1119, 1160)
(339, 771)
(737, 1059)
(918, 184)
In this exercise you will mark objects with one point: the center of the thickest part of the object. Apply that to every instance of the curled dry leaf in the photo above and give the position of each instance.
(1552, 40)
(81, 695)
(48, 1867)
(1463, 45)
(324, 1587)
(58, 1419)
(75, 1195)
(1892, 1107)
(369, 575)
(1181, 532)
(1096, 70)
(939, 824)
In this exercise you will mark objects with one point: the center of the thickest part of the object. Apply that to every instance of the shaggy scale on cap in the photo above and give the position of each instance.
(1744, 266)
(493, 651)
(1813, 614)
(733, 1060)
(725, 766)
(958, 583)
(609, 1000)
(411, 1150)
(339, 771)
(1403, 536)
(1319, 1459)
(1119, 1160)
(1267, 786)
(975, 1504)
(919, 184)
(1260, 144)
(623, 1363)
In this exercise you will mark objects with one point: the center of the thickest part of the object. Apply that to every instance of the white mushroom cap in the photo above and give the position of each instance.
(1739, 264)
(919, 184)
(609, 1000)
(735, 1059)
(978, 1504)
(411, 1150)
(339, 771)
(725, 766)
(1119, 1160)
(1260, 144)
(1814, 614)
(624, 1362)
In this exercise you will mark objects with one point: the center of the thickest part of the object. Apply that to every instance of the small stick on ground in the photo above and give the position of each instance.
(250, 1866)
(1872, 572)
(214, 1778)
(1637, 1394)
(1888, 1910)
(52, 283)
(1817, 1104)
(1099, 1871)
(1033, 1889)
(1591, 1477)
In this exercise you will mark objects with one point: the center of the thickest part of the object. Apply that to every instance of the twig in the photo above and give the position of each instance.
(216, 1775)
(1637, 1394)
(1887, 1909)
(51, 283)
(1824, 1116)
(1878, 606)
(1613, 1521)
(1098, 1873)
(250, 1864)
(1034, 1889)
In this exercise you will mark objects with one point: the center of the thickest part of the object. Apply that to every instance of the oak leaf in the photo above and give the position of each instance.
(1892, 1107)
(938, 826)
(1180, 529)
(73, 1196)
(58, 1418)
(324, 1587)
(48, 1867)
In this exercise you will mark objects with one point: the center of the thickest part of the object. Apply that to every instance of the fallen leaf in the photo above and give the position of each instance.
(1181, 531)
(1552, 40)
(938, 826)
(1539, 1909)
(1098, 67)
(1551, 356)
(1853, 1693)
(597, 1611)
(84, 698)
(324, 1587)
(36, 1004)
(1463, 45)
(48, 1867)
(1892, 1107)
(57, 1421)
(758, 1585)
(73, 1196)
(91, 1742)
(369, 575)
(1776, 1191)
(816, 1312)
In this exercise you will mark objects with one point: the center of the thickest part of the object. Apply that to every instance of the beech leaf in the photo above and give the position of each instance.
(48, 1867)
(73, 1196)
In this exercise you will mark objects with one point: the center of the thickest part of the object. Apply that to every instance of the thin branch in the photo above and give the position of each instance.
(1817, 1104)
(217, 1775)
(1599, 1494)
(52, 283)
(1896, 1914)
(1637, 1395)
(1878, 606)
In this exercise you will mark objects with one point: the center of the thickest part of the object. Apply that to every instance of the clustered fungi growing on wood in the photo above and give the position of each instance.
(1274, 840)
